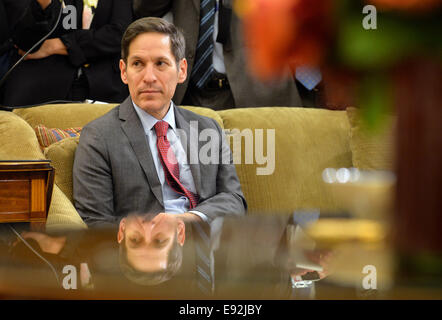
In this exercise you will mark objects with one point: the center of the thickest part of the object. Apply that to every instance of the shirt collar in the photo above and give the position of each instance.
(149, 121)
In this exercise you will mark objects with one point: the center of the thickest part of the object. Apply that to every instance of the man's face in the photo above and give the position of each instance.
(148, 240)
(151, 73)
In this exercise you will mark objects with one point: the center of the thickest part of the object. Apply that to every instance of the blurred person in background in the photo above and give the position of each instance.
(10, 13)
(78, 61)
(218, 74)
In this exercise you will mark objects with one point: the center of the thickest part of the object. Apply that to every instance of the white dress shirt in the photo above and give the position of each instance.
(173, 202)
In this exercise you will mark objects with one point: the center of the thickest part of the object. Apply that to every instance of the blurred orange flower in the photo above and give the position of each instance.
(285, 31)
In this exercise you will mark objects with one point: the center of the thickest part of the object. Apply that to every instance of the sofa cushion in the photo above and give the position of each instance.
(306, 142)
(79, 114)
(372, 149)
(17, 139)
(47, 136)
(207, 113)
(63, 116)
(62, 155)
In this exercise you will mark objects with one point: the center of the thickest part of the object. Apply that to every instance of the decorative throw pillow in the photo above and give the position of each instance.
(372, 150)
(47, 136)
(62, 155)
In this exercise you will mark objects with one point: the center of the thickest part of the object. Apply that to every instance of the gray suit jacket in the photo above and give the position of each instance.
(247, 91)
(114, 173)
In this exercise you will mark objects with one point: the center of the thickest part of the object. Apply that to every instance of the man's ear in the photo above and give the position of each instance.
(123, 71)
(182, 71)
(181, 233)
(121, 228)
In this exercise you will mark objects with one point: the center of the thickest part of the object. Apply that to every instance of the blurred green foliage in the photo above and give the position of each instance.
(398, 35)
(374, 52)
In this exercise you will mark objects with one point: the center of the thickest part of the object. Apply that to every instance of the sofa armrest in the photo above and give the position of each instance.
(62, 214)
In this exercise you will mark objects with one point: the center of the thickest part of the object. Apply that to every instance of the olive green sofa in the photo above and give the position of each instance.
(288, 149)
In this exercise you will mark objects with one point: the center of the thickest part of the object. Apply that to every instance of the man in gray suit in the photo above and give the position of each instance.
(231, 84)
(133, 159)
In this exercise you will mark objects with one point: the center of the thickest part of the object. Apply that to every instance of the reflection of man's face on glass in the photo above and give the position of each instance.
(149, 238)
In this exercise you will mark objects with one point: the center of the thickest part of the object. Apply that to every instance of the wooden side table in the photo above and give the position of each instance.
(26, 191)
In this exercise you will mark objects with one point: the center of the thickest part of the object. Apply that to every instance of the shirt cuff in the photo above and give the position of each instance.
(200, 214)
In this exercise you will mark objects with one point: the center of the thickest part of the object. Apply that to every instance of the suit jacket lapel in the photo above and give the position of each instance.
(183, 124)
(134, 131)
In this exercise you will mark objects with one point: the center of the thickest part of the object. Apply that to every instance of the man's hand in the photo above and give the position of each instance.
(189, 217)
(323, 258)
(186, 217)
(44, 3)
(48, 48)
(297, 272)
(47, 244)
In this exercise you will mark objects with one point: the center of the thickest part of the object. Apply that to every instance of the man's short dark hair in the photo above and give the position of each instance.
(174, 261)
(152, 24)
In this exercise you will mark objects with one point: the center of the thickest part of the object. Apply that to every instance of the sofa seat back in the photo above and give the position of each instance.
(70, 115)
(306, 141)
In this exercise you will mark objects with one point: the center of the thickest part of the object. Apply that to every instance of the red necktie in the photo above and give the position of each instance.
(170, 163)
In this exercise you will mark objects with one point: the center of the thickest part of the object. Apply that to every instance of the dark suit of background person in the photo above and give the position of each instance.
(5, 45)
(96, 51)
(10, 12)
(246, 91)
(114, 173)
